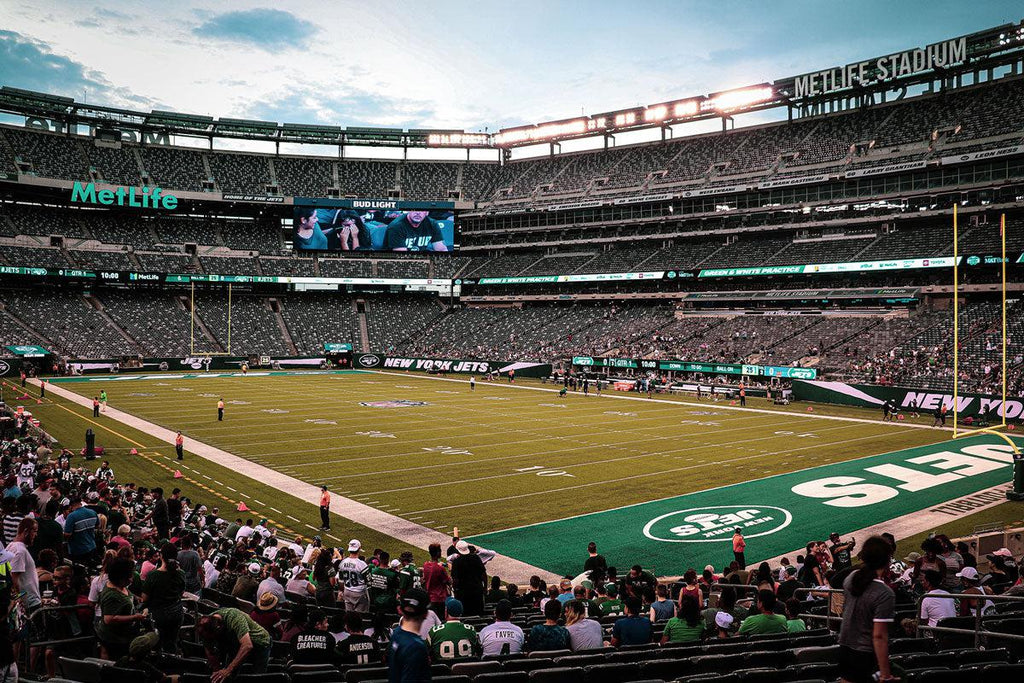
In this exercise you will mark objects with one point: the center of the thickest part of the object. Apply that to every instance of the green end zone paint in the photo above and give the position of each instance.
(777, 514)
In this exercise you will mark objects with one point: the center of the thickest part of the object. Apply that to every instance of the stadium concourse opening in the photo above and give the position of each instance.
(706, 386)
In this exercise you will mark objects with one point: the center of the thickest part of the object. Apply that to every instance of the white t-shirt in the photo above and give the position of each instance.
(28, 581)
(934, 610)
(352, 574)
(429, 622)
(495, 636)
(244, 532)
(211, 574)
(26, 473)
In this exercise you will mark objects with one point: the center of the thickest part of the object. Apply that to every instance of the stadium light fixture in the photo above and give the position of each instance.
(542, 132)
(655, 114)
(737, 99)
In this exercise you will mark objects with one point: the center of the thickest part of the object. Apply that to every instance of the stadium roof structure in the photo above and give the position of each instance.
(963, 60)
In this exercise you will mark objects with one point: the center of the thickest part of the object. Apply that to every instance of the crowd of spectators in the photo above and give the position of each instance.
(100, 573)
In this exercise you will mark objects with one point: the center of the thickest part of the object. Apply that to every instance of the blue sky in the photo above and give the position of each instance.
(462, 65)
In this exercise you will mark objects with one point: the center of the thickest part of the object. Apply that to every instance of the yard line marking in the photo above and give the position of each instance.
(276, 510)
(220, 483)
(258, 502)
(294, 519)
(231, 489)
(628, 478)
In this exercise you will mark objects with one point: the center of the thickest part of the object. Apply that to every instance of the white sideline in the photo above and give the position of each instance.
(401, 529)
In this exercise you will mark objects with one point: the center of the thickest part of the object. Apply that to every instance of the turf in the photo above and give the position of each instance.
(500, 456)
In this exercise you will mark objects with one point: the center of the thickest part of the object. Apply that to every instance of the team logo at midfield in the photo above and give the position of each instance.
(717, 523)
(400, 403)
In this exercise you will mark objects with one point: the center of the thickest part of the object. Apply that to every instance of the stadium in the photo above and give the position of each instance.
(726, 387)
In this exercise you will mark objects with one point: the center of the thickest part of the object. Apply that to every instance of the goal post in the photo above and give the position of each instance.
(994, 429)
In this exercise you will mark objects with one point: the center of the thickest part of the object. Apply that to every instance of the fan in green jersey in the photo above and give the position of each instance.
(453, 639)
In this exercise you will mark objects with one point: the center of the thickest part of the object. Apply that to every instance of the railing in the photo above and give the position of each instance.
(977, 631)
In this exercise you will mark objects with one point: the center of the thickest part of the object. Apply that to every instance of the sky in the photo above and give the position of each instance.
(446, 64)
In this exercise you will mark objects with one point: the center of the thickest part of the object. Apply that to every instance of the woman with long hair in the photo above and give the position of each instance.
(688, 624)
(584, 633)
(811, 574)
(161, 593)
(690, 587)
(765, 580)
(324, 578)
(869, 608)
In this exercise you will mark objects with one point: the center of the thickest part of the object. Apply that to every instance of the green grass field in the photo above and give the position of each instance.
(484, 460)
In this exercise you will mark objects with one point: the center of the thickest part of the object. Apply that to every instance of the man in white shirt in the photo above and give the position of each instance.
(353, 573)
(934, 610)
(502, 637)
(211, 571)
(245, 532)
(23, 567)
(272, 584)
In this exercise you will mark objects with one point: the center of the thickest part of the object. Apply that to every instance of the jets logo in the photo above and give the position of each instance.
(393, 404)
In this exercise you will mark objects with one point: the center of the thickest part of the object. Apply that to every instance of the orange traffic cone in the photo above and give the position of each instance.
(1010, 428)
(133, 452)
(732, 403)
(810, 409)
(242, 507)
(178, 474)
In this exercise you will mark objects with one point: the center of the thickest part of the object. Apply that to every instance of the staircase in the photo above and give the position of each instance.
(184, 305)
(275, 306)
(364, 330)
(97, 305)
(32, 335)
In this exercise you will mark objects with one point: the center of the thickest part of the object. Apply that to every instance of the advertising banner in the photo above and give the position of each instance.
(926, 400)
(378, 361)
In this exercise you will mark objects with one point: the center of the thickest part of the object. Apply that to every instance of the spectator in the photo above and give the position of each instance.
(662, 609)
(637, 580)
(436, 580)
(408, 655)
(454, 640)
(502, 637)
(565, 592)
(139, 657)
(868, 611)
(191, 565)
(549, 635)
(727, 604)
(231, 639)
(272, 584)
(212, 570)
(972, 586)
(965, 552)
(80, 532)
(326, 581)
(119, 622)
(468, 579)
(265, 613)
(935, 609)
(162, 590)
(789, 585)
(612, 606)
(495, 593)
(632, 629)
(300, 584)
(594, 562)
(794, 623)
(315, 644)
(687, 626)
(739, 546)
(23, 567)
(246, 585)
(689, 587)
(358, 649)
(584, 634)
(725, 625)
(766, 621)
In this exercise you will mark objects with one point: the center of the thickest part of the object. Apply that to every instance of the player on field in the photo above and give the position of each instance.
(453, 639)
(352, 574)
(220, 410)
(103, 401)
(472, 383)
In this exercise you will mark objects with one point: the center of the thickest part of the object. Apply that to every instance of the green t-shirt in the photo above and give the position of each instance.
(237, 623)
(383, 585)
(796, 625)
(115, 603)
(163, 589)
(453, 640)
(763, 623)
(612, 607)
(409, 576)
(678, 631)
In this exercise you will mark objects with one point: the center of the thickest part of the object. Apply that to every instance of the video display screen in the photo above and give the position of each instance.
(372, 229)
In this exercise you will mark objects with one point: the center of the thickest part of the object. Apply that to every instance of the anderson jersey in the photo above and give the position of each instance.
(358, 649)
(453, 640)
(353, 573)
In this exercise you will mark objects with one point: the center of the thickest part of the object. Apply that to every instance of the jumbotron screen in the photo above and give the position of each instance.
(372, 229)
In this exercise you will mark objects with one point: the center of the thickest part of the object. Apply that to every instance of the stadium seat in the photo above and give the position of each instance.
(666, 669)
(718, 663)
(580, 660)
(611, 673)
(1003, 672)
(528, 664)
(369, 673)
(806, 655)
(474, 669)
(451, 679)
(768, 659)
(79, 670)
(323, 676)
(710, 678)
(973, 657)
(277, 677)
(119, 674)
(902, 646)
(561, 674)
(761, 675)
(802, 672)
(503, 677)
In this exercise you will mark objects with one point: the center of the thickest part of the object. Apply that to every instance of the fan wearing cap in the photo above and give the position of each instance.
(247, 584)
(1003, 570)
(266, 615)
(469, 579)
(139, 659)
(453, 639)
(353, 574)
(408, 655)
(971, 580)
(409, 575)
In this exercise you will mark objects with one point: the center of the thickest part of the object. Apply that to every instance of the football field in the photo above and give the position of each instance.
(505, 463)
